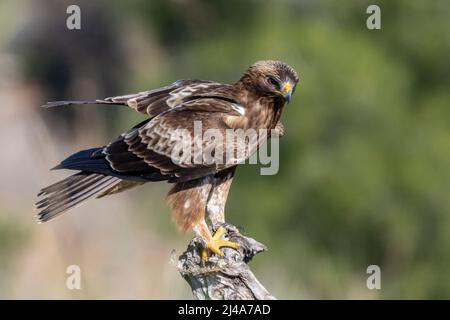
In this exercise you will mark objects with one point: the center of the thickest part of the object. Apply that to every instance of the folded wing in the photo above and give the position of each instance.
(154, 102)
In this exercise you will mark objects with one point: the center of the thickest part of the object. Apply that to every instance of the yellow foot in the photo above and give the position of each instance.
(216, 243)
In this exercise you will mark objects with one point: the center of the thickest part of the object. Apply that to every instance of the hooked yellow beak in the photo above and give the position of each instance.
(286, 91)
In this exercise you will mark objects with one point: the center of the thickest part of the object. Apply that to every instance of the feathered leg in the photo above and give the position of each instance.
(215, 207)
(188, 201)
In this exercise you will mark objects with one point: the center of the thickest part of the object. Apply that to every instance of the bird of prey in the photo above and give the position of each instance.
(144, 153)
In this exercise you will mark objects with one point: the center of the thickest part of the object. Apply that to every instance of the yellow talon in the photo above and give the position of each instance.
(216, 243)
(219, 232)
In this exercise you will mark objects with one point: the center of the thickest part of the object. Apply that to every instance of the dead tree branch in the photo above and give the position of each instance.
(226, 278)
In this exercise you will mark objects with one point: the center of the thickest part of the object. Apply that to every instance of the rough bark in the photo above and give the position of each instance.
(227, 277)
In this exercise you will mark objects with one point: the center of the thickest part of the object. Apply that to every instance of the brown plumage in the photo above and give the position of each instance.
(145, 152)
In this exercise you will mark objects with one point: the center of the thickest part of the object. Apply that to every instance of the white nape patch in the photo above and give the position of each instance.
(187, 204)
(238, 108)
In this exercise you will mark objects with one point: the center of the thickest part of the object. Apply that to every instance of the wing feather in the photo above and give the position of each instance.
(157, 101)
(148, 150)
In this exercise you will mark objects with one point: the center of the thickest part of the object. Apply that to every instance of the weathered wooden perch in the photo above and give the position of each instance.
(227, 277)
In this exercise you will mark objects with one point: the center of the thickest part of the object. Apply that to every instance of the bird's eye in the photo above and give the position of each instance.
(273, 82)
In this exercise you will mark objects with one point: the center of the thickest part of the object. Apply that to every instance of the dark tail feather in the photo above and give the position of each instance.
(60, 184)
(90, 160)
(94, 161)
(72, 191)
(53, 104)
(67, 189)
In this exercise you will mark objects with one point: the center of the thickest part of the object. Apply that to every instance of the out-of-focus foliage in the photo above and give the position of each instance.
(364, 166)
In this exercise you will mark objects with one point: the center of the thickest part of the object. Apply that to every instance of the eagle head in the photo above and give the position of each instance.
(272, 78)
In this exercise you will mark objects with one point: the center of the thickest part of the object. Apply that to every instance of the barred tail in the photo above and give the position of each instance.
(72, 191)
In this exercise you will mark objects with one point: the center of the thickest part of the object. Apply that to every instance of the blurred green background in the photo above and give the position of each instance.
(364, 176)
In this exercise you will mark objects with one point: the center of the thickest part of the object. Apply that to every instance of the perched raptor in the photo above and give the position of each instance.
(145, 152)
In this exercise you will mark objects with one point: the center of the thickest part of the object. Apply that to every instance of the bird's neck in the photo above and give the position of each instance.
(262, 112)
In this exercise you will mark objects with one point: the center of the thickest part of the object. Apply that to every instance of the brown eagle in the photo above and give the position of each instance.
(145, 152)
